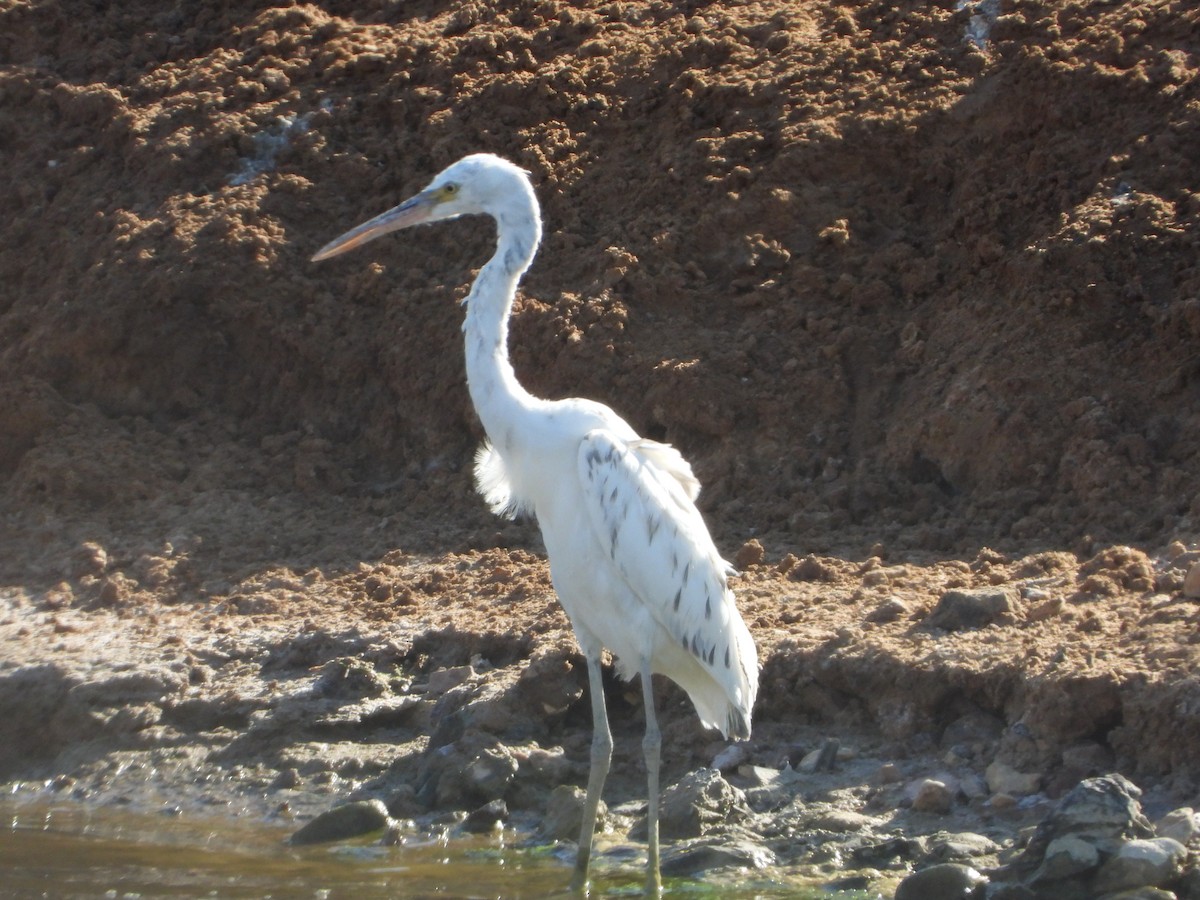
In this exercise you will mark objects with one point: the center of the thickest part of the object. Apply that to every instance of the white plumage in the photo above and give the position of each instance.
(631, 559)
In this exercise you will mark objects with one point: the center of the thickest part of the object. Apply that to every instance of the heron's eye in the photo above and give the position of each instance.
(450, 189)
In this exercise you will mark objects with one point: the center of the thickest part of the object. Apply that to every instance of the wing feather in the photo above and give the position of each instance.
(639, 495)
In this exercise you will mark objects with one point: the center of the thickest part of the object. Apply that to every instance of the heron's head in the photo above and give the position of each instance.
(480, 183)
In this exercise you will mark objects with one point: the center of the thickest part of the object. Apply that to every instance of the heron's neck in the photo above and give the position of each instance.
(498, 397)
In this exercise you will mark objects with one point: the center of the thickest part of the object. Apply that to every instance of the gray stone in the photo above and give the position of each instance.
(1106, 807)
(1144, 893)
(943, 847)
(1101, 812)
(731, 758)
(1191, 581)
(445, 679)
(490, 773)
(933, 796)
(1142, 863)
(961, 610)
(704, 854)
(486, 817)
(888, 610)
(1065, 857)
(842, 821)
(1004, 779)
(1180, 824)
(699, 802)
(344, 822)
(945, 881)
(564, 813)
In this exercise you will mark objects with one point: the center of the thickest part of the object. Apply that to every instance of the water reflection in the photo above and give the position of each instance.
(79, 852)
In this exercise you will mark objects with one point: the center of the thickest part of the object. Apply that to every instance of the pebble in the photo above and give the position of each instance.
(933, 796)
(344, 822)
(945, 881)
(961, 610)
(888, 773)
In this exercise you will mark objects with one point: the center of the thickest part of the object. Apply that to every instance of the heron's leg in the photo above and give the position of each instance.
(601, 758)
(652, 747)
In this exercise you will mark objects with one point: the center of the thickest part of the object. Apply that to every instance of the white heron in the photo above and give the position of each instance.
(631, 559)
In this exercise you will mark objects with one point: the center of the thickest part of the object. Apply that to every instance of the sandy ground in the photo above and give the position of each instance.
(915, 288)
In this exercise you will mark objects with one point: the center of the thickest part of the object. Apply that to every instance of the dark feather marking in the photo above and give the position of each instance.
(678, 594)
(593, 457)
(652, 526)
(727, 656)
(674, 562)
(707, 607)
(684, 638)
(712, 652)
(612, 539)
(612, 496)
(687, 570)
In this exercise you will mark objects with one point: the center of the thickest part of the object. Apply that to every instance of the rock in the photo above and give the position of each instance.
(1106, 807)
(486, 817)
(888, 773)
(889, 610)
(344, 822)
(1141, 863)
(960, 610)
(564, 813)
(1102, 812)
(697, 803)
(945, 881)
(1191, 581)
(1180, 824)
(490, 773)
(945, 847)
(758, 776)
(880, 854)
(1145, 893)
(552, 682)
(699, 856)
(933, 796)
(730, 758)
(842, 821)
(445, 679)
(1065, 857)
(823, 759)
(1004, 779)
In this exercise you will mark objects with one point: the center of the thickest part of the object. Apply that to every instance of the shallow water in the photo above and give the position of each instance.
(64, 851)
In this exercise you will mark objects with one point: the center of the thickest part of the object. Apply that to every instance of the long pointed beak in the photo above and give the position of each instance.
(414, 211)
